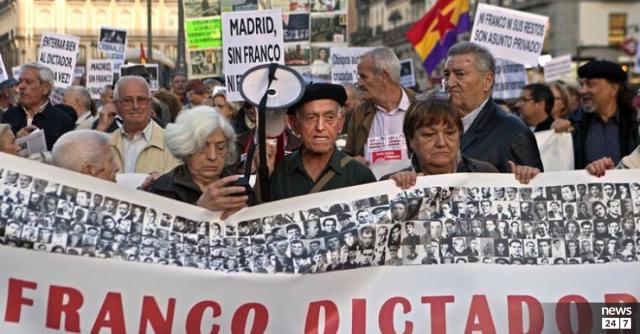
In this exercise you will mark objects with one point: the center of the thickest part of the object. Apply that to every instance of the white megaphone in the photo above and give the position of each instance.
(272, 88)
(284, 89)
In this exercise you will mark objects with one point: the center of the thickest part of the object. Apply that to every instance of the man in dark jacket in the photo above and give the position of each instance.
(35, 110)
(535, 104)
(608, 126)
(490, 134)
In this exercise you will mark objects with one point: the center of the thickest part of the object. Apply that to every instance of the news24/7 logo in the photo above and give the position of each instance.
(616, 317)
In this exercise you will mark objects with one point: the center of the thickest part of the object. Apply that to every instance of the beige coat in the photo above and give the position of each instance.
(155, 157)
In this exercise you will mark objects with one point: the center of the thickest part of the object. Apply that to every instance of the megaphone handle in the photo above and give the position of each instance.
(263, 169)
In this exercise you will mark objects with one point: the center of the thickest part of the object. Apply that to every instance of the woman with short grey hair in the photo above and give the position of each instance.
(8, 140)
(204, 141)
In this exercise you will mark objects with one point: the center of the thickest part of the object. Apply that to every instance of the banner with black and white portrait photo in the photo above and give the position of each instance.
(487, 226)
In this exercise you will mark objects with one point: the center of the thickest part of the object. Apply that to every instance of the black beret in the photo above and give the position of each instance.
(8, 83)
(602, 69)
(320, 91)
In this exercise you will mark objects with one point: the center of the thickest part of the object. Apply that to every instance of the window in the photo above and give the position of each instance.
(617, 28)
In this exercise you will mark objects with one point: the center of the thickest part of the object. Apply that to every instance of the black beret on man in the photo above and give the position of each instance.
(321, 91)
(602, 69)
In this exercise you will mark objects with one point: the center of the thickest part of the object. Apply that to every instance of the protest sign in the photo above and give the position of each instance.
(99, 74)
(510, 34)
(203, 33)
(3, 71)
(32, 143)
(407, 76)
(553, 145)
(16, 72)
(252, 38)
(238, 5)
(296, 27)
(367, 254)
(557, 68)
(112, 40)
(79, 72)
(201, 8)
(59, 52)
(344, 64)
(509, 79)
(148, 71)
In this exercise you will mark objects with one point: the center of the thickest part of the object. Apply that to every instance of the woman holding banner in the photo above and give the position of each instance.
(432, 129)
(204, 141)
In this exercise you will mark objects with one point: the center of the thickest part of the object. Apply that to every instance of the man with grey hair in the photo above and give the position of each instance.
(375, 129)
(79, 99)
(490, 134)
(8, 95)
(138, 146)
(86, 152)
(35, 110)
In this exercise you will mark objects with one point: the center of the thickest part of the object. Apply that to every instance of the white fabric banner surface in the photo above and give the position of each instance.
(510, 34)
(380, 254)
(556, 150)
(43, 293)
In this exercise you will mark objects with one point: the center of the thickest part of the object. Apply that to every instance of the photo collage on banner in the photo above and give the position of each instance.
(567, 224)
(203, 38)
(311, 29)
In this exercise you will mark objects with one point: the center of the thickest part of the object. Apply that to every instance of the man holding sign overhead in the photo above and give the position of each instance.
(35, 110)
(490, 134)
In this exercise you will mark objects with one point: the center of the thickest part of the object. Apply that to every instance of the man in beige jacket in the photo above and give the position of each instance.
(138, 146)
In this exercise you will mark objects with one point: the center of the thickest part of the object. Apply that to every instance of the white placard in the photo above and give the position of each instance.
(509, 80)
(3, 71)
(99, 74)
(557, 68)
(112, 40)
(59, 53)
(344, 64)
(407, 75)
(32, 143)
(250, 38)
(16, 72)
(510, 34)
(552, 145)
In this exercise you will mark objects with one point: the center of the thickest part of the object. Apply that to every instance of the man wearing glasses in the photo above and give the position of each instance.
(317, 165)
(138, 146)
(535, 104)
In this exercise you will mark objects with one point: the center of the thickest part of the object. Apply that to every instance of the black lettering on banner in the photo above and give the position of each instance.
(235, 55)
(480, 36)
(252, 26)
(340, 60)
(343, 76)
(261, 53)
(231, 82)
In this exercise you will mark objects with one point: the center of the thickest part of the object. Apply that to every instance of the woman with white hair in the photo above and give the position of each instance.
(204, 141)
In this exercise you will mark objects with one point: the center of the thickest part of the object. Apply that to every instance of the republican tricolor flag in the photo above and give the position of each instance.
(438, 30)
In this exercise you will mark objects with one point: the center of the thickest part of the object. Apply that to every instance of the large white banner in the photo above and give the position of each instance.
(42, 293)
(250, 38)
(59, 53)
(510, 34)
(552, 145)
(344, 64)
(381, 251)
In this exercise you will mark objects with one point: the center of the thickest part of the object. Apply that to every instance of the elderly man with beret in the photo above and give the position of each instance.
(318, 165)
(608, 128)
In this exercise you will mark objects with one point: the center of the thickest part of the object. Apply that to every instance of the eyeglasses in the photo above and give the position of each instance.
(139, 100)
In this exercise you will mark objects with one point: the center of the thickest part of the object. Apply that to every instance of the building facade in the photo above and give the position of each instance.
(586, 29)
(23, 21)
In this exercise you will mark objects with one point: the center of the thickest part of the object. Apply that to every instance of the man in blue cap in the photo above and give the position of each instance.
(8, 95)
(608, 127)
(318, 165)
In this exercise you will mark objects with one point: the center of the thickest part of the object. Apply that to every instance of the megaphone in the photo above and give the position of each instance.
(284, 89)
(272, 88)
